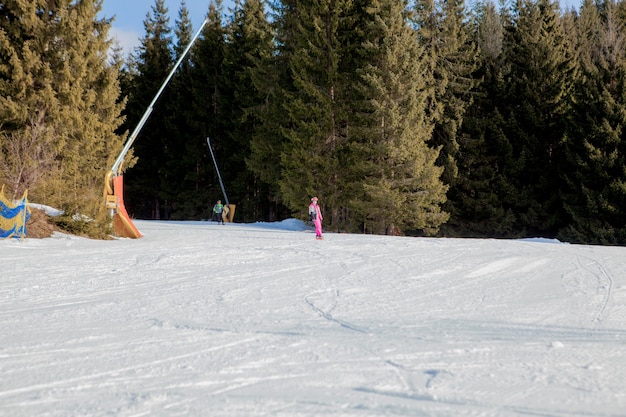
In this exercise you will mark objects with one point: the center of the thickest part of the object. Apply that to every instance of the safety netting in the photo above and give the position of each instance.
(13, 216)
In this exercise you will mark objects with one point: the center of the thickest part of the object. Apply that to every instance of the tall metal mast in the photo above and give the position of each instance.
(118, 162)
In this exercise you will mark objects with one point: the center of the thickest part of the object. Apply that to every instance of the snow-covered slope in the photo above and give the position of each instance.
(199, 319)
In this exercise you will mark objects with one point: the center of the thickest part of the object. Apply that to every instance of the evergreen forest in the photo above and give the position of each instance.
(419, 118)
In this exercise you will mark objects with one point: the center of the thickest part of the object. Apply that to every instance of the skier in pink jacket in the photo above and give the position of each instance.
(315, 215)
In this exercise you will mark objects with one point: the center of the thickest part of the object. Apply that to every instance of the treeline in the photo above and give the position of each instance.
(422, 117)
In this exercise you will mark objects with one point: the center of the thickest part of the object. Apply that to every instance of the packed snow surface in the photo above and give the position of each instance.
(201, 319)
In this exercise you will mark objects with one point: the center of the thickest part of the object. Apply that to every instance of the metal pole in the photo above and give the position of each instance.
(219, 177)
(144, 118)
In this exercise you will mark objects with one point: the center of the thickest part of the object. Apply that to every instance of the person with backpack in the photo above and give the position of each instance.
(217, 212)
(315, 215)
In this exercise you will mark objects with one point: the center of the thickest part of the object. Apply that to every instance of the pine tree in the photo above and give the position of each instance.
(595, 195)
(249, 48)
(314, 125)
(207, 100)
(445, 35)
(480, 198)
(59, 91)
(271, 78)
(534, 106)
(185, 169)
(26, 140)
(152, 63)
(396, 184)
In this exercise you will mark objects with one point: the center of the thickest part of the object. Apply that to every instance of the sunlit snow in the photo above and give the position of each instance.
(200, 319)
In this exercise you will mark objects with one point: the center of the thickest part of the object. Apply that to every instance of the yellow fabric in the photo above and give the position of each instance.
(13, 216)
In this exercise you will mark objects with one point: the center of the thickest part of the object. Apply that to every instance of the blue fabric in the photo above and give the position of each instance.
(13, 219)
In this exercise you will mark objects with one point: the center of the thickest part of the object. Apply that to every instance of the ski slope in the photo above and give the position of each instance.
(200, 319)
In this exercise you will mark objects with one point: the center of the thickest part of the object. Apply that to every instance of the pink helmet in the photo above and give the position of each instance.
(314, 199)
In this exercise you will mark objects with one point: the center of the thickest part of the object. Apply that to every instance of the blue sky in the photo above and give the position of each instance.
(130, 14)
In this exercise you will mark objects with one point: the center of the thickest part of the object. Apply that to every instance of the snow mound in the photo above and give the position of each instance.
(50, 211)
(541, 240)
(287, 224)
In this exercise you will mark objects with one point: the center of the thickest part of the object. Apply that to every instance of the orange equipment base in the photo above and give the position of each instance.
(122, 225)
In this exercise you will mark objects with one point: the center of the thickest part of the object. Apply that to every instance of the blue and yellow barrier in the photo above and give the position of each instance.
(13, 216)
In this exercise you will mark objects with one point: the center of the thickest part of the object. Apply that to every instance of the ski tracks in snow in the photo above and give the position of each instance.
(315, 300)
(591, 279)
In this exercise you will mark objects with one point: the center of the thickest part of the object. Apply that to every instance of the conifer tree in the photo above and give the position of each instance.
(26, 140)
(184, 173)
(271, 77)
(595, 191)
(209, 118)
(457, 63)
(445, 35)
(153, 61)
(314, 126)
(248, 50)
(534, 106)
(479, 200)
(59, 91)
(396, 184)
